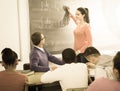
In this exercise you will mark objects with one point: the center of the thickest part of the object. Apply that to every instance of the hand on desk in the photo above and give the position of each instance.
(91, 65)
(53, 68)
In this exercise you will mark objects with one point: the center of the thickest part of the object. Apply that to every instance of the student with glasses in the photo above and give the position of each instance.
(39, 56)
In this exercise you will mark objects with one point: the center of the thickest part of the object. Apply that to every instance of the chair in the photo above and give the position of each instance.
(26, 66)
(26, 88)
(77, 89)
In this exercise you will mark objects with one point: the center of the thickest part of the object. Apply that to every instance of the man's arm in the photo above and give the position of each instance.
(52, 76)
(54, 59)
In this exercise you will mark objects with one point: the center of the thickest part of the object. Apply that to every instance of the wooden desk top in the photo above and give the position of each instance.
(35, 78)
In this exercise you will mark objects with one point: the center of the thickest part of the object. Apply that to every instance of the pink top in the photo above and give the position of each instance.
(12, 81)
(82, 36)
(104, 84)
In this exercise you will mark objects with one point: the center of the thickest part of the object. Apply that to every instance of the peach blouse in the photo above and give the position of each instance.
(82, 36)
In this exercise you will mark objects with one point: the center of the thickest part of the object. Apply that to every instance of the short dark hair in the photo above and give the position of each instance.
(36, 38)
(116, 62)
(90, 51)
(9, 56)
(68, 55)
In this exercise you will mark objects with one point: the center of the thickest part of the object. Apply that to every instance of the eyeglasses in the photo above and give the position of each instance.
(43, 38)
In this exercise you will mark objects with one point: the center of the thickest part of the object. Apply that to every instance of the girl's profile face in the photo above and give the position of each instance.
(94, 58)
(79, 15)
(116, 73)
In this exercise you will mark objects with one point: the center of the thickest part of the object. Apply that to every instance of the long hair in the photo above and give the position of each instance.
(84, 11)
(116, 62)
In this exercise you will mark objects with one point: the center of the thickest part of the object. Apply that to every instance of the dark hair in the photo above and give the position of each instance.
(84, 11)
(68, 55)
(8, 56)
(36, 38)
(116, 62)
(91, 50)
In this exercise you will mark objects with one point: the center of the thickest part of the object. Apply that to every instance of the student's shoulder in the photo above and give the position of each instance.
(81, 64)
(19, 74)
(101, 80)
(2, 73)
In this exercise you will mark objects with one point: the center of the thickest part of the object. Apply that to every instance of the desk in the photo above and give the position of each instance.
(34, 83)
(35, 78)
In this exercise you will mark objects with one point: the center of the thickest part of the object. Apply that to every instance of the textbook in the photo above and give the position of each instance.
(26, 72)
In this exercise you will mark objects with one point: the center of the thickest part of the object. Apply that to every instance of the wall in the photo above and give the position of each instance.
(14, 29)
(24, 31)
(9, 28)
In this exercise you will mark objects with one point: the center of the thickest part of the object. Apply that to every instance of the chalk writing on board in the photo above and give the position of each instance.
(50, 18)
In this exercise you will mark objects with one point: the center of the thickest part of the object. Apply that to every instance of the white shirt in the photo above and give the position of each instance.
(40, 48)
(72, 75)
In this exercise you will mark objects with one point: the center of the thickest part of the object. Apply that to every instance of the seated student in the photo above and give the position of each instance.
(39, 57)
(91, 54)
(70, 75)
(10, 79)
(105, 84)
(90, 57)
(104, 67)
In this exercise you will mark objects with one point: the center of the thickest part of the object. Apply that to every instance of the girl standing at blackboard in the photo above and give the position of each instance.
(82, 32)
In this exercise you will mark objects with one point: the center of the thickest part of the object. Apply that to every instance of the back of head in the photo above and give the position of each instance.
(8, 56)
(91, 51)
(68, 55)
(116, 62)
(84, 11)
(36, 38)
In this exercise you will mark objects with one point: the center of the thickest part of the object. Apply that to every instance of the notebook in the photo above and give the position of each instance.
(26, 72)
